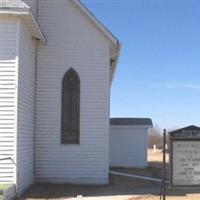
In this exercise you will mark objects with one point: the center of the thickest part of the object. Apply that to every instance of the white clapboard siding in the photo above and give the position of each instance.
(32, 4)
(133, 139)
(18, 3)
(8, 27)
(26, 97)
(72, 41)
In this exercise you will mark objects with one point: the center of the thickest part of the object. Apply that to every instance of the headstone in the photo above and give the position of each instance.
(79, 197)
(154, 147)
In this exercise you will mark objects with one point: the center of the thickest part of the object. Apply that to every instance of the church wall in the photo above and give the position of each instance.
(26, 109)
(72, 41)
(8, 97)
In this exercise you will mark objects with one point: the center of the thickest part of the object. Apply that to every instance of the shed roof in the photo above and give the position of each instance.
(131, 121)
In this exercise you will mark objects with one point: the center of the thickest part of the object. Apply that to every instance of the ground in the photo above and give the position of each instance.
(2, 188)
(120, 188)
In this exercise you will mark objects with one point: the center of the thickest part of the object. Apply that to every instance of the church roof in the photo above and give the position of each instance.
(131, 121)
(20, 4)
(19, 8)
(116, 47)
(12, 6)
(99, 25)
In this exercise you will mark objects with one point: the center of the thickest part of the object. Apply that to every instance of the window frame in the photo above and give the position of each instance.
(75, 122)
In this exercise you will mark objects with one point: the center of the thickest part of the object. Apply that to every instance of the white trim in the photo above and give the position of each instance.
(106, 32)
(35, 103)
(99, 25)
(107, 114)
(7, 61)
(26, 15)
(42, 37)
(146, 145)
(116, 58)
(16, 99)
(24, 8)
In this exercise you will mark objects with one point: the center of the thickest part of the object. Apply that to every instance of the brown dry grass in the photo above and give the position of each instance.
(156, 157)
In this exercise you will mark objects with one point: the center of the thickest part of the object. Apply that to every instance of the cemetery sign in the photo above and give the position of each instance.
(185, 157)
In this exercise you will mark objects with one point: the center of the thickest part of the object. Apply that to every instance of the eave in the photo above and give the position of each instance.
(28, 19)
(115, 46)
(96, 22)
(114, 58)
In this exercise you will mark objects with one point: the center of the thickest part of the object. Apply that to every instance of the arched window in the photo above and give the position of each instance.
(70, 108)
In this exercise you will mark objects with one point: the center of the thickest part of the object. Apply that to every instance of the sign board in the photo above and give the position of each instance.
(185, 157)
(186, 163)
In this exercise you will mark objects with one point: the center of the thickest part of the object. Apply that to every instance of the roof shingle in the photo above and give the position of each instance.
(131, 121)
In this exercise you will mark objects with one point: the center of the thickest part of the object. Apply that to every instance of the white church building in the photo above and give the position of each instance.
(57, 63)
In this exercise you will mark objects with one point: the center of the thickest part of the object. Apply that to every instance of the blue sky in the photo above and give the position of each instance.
(158, 74)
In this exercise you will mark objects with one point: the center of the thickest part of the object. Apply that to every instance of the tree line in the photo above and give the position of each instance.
(155, 137)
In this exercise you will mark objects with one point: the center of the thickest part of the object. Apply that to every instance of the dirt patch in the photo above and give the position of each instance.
(149, 171)
(155, 159)
(120, 188)
(153, 170)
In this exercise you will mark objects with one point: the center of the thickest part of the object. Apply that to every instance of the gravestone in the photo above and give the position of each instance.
(185, 157)
(154, 148)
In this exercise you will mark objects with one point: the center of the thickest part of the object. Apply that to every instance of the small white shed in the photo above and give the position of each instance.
(128, 142)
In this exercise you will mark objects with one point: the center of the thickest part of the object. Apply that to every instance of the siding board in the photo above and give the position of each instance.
(7, 97)
(134, 142)
(81, 46)
(26, 93)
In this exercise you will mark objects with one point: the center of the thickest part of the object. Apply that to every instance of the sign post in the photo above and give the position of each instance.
(164, 166)
(185, 157)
